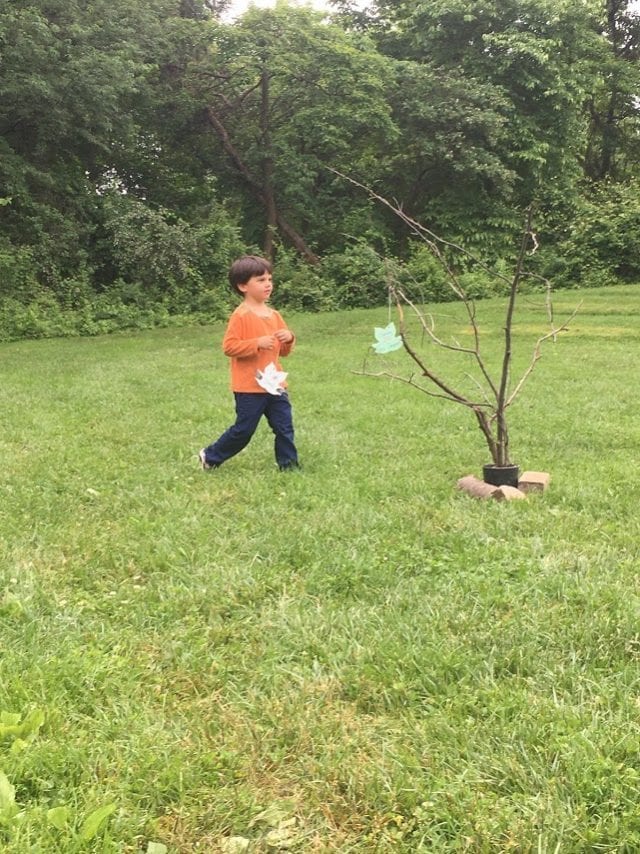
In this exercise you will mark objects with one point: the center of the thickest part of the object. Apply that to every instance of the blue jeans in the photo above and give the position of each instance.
(250, 407)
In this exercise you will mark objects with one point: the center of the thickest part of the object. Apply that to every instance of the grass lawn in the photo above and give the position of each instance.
(354, 658)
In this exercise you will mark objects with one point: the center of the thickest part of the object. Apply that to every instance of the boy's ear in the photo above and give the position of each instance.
(242, 287)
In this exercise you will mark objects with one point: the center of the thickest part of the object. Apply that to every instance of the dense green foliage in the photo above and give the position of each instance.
(354, 658)
(144, 144)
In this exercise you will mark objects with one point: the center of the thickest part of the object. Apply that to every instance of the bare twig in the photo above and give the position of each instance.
(564, 327)
(426, 371)
(473, 351)
(410, 381)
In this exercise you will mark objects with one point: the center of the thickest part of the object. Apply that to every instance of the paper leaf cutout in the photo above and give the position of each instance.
(271, 379)
(387, 339)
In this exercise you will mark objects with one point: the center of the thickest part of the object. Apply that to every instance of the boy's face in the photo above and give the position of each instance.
(258, 288)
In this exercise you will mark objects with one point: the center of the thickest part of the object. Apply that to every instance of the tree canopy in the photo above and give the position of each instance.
(144, 142)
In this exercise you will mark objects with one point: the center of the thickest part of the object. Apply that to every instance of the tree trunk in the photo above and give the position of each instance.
(257, 189)
(267, 168)
(502, 434)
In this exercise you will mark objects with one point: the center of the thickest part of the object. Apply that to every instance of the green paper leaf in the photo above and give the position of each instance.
(387, 339)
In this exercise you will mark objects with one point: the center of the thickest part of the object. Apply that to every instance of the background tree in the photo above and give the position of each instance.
(70, 78)
(613, 149)
(286, 94)
(88, 106)
(213, 136)
(496, 120)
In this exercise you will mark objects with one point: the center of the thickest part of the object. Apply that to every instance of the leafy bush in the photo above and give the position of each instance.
(160, 258)
(17, 273)
(425, 279)
(42, 318)
(217, 243)
(46, 318)
(603, 242)
(357, 275)
(155, 269)
(149, 245)
(301, 287)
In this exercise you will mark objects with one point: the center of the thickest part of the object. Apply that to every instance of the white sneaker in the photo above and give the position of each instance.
(203, 462)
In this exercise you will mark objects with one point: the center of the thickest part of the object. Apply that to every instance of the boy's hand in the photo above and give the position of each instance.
(284, 336)
(266, 342)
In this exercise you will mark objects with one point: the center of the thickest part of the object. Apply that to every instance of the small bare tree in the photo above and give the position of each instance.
(496, 392)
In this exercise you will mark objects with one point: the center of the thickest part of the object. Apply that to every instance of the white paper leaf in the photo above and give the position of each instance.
(271, 379)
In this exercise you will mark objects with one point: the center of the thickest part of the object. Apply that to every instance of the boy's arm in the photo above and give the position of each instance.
(235, 344)
(286, 338)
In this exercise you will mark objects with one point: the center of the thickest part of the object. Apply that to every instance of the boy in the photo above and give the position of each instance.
(256, 336)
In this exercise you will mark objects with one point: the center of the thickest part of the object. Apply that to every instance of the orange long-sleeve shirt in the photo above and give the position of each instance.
(240, 343)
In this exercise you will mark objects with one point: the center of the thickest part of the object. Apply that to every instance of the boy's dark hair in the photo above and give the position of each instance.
(245, 268)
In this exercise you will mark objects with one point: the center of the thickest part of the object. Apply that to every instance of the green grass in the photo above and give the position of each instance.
(356, 658)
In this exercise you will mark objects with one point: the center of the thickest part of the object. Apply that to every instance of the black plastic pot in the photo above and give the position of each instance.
(501, 475)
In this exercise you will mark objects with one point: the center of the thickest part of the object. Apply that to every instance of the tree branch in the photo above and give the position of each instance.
(537, 353)
(296, 239)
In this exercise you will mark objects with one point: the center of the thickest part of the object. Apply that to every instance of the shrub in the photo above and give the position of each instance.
(358, 277)
(17, 273)
(301, 287)
(424, 278)
(603, 243)
(162, 259)
(217, 244)
(105, 313)
(41, 318)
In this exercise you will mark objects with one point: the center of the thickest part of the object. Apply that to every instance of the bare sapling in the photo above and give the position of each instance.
(494, 390)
